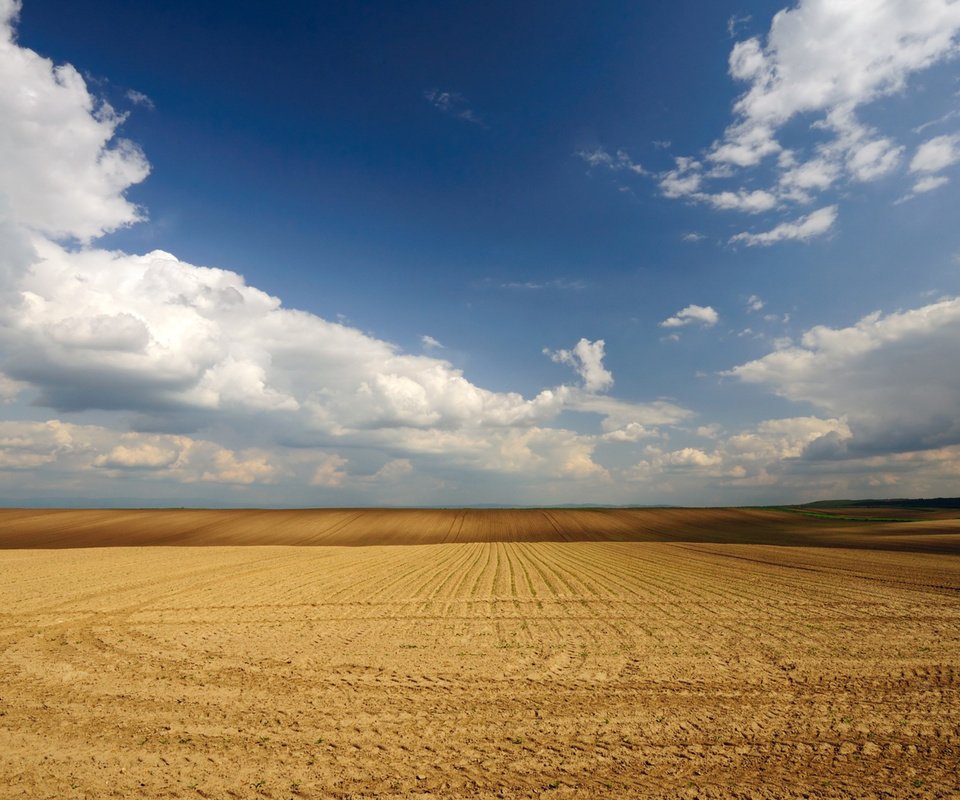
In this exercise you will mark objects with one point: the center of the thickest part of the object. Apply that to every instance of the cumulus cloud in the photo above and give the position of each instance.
(814, 224)
(204, 378)
(795, 458)
(753, 202)
(830, 57)
(818, 65)
(586, 358)
(60, 185)
(90, 450)
(692, 315)
(893, 378)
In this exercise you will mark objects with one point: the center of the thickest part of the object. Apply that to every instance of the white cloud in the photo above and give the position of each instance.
(892, 377)
(586, 358)
(142, 455)
(631, 432)
(930, 183)
(936, 154)
(429, 343)
(815, 224)
(60, 185)
(618, 161)
(753, 202)
(693, 236)
(692, 457)
(78, 450)
(684, 179)
(754, 303)
(244, 468)
(799, 181)
(108, 330)
(938, 121)
(873, 159)
(792, 457)
(692, 314)
(824, 56)
(139, 99)
(244, 390)
(818, 65)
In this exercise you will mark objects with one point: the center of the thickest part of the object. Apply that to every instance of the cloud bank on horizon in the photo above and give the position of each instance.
(158, 378)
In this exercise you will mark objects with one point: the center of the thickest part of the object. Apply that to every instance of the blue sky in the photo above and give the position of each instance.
(700, 254)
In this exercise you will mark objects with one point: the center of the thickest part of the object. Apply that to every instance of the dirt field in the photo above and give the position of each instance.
(915, 529)
(549, 669)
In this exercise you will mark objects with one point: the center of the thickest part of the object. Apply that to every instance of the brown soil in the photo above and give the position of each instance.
(593, 669)
(49, 528)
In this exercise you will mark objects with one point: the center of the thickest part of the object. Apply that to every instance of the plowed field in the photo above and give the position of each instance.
(551, 669)
(937, 531)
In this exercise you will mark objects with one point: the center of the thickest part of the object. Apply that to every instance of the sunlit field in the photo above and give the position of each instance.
(515, 668)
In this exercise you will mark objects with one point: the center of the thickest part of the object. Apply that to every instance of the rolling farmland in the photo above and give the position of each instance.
(591, 661)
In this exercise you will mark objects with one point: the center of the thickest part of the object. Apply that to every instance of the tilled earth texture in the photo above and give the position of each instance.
(681, 663)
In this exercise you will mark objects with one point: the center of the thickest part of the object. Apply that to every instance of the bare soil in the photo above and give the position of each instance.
(49, 528)
(553, 669)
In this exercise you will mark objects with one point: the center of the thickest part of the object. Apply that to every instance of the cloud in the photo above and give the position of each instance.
(559, 284)
(692, 314)
(754, 303)
(817, 66)
(199, 377)
(618, 161)
(936, 154)
(791, 457)
(734, 23)
(754, 202)
(329, 473)
(693, 236)
(892, 377)
(139, 99)
(93, 451)
(454, 104)
(106, 330)
(429, 343)
(815, 224)
(393, 470)
(930, 183)
(142, 455)
(631, 432)
(822, 56)
(930, 158)
(60, 185)
(586, 358)
(683, 180)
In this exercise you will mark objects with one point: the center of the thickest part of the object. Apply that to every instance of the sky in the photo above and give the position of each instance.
(368, 253)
